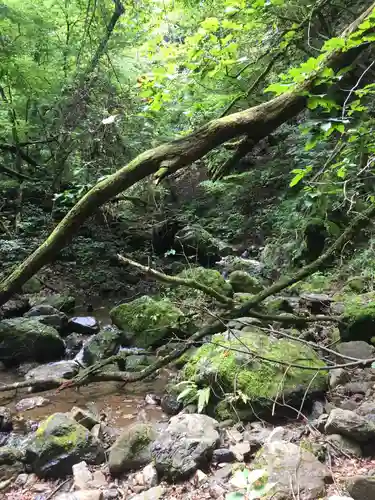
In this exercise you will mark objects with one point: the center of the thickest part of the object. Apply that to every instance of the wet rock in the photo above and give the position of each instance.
(195, 240)
(84, 417)
(185, 445)
(132, 449)
(241, 281)
(61, 302)
(59, 369)
(288, 466)
(170, 405)
(345, 445)
(81, 495)
(316, 303)
(6, 424)
(73, 344)
(223, 455)
(58, 444)
(136, 362)
(150, 476)
(10, 462)
(148, 321)
(24, 339)
(349, 424)
(100, 346)
(241, 451)
(82, 476)
(41, 310)
(14, 308)
(361, 487)
(367, 409)
(337, 377)
(355, 349)
(152, 399)
(48, 315)
(152, 494)
(87, 325)
(357, 388)
(30, 403)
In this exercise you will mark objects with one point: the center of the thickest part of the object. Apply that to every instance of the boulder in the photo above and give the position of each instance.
(185, 445)
(361, 487)
(355, 349)
(87, 325)
(316, 303)
(243, 282)
(344, 445)
(350, 424)
(6, 424)
(24, 339)
(61, 302)
(337, 377)
(226, 365)
(59, 369)
(73, 344)
(195, 240)
(170, 404)
(10, 462)
(100, 346)
(41, 310)
(58, 444)
(296, 472)
(223, 455)
(14, 308)
(358, 320)
(132, 449)
(208, 277)
(148, 321)
(232, 263)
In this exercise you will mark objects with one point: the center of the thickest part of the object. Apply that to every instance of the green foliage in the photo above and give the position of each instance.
(251, 484)
(191, 393)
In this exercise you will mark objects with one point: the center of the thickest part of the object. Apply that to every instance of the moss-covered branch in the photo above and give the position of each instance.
(256, 123)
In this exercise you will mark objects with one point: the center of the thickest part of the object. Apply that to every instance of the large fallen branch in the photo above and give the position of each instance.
(256, 122)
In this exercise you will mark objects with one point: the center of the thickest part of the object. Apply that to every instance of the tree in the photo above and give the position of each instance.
(256, 123)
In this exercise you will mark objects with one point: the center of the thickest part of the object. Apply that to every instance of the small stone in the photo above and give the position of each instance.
(98, 431)
(361, 487)
(349, 424)
(150, 476)
(80, 495)
(170, 405)
(224, 473)
(317, 409)
(234, 436)
(6, 424)
(30, 403)
(217, 491)
(277, 434)
(84, 417)
(223, 455)
(241, 451)
(152, 494)
(337, 377)
(21, 480)
(82, 476)
(200, 476)
(355, 349)
(98, 479)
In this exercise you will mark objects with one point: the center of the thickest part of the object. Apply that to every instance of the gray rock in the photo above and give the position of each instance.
(61, 302)
(6, 424)
(48, 315)
(59, 369)
(315, 302)
(357, 387)
(185, 445)
(73, 344)
(170, 405)
(14, 308)
(294, 470)
(150, 476)
(337, 377)
(41, 310)
(223, 455)
(346, 445)
(10, 462)
(151, 494)
(30, 403)
(87, 325)
(355, 349)
(132, 449)
(367, 409)
(58, 444)
(349, 424)
(361, 487)
(99, 347)
(84, 417)
(26, 339)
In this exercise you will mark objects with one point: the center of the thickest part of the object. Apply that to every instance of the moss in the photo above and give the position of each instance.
(243, 282)
(357, 284)
(229, 371)
(358, 318)
(148, 320)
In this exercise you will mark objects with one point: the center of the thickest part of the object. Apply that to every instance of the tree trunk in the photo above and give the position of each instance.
(256, 122)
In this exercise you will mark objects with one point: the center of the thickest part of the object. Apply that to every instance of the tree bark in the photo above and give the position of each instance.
(256, 122)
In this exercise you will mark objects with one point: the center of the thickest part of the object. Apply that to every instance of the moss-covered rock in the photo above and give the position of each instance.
(32, 286)
(100, 346)
(243, 282)
(357, 284)
(251, 379)
(61, 302)
(26, 339)
(58, 444)
(358, 320)
(208, 277)
(10, 462)
(132, 449)
(147, 321)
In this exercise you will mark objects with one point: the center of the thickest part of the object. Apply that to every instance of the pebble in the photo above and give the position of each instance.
(82, 476)
(81, 495)
(150, 476)
(30, 403)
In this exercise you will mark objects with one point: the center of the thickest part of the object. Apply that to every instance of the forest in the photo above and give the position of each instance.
(187, 249)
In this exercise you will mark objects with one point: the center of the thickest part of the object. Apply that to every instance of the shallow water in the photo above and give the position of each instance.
(119, 405)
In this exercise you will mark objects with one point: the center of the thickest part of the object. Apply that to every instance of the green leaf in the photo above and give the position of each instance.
(235, 496)
(184, 393)
(296, 180)
(203, 398)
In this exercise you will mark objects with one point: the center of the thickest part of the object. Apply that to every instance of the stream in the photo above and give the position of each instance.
(118, 405)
